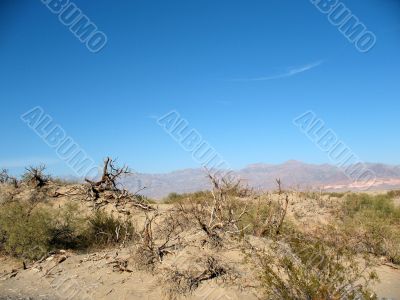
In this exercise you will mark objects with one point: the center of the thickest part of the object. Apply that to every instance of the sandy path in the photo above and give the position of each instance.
(389, 285)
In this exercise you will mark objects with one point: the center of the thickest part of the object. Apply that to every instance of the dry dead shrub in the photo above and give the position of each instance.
(107, 189)
(225, 214)
(157, 241)
(216, 216)
(6, 178)
(35, 176)
(200, 216)
(183, 282)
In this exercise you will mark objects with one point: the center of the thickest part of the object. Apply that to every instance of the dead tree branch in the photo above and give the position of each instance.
(35, 176)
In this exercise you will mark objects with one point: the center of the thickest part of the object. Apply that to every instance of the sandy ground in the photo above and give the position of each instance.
(93, 276)
(389, 286)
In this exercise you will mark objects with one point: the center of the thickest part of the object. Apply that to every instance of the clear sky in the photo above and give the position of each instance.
(239, 71)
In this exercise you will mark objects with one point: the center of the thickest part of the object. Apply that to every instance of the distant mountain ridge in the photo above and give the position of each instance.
(294, 174)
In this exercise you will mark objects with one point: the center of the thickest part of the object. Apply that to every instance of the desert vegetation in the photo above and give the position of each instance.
(261, 243)
(373, 222)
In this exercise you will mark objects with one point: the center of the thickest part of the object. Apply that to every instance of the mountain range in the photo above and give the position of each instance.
(260, 176)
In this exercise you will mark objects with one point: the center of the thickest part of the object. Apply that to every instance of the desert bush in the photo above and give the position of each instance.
(214, 215)
(68, 228)
(298, 267)
(335, 194)
(31, 231)
(157, 241)
(311, 194)
(109, 187)
(144, 199)
(212, 218)
(223, 186)
(173, 198)
(212, 212)
(147, 254)
(6, 178)
(394, 193)
(381, 205)
(322, 199)
(7, 195)
(25, 232)
(228, 215)
(36, 197)
(108, 180)
(372, 233)
(263, 218)
(66, 181)
(373, 222)
(183, 282)
(105, 229)
(28, 231)
(35, 176)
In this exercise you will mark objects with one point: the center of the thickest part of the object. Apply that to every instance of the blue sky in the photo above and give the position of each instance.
(238, 71)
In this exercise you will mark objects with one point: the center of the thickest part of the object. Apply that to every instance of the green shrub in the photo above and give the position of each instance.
(25, 232)
(144, 199)
(104, 229)
(394, 193)
(256, 220)
(31, 231)
(374, 223)
(380, 204)
(68, 229)
(261, 219)
(302, 268)
(335, 194)
(173, 198)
